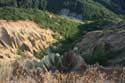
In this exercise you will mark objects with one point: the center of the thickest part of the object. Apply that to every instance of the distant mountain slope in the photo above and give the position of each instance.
(116, 6)
(83, 9)
(88, 9)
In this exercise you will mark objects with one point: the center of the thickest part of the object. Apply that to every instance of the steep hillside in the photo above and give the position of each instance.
(116, 6)
(64, 26)
(38, 46)
(103, 46)
(86, 9)
(79, 9)
(23, 38)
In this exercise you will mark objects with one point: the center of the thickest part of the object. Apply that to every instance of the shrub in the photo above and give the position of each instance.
(98, 56)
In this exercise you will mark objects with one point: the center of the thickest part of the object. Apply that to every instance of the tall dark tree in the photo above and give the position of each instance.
(35, 3)
(42, 4)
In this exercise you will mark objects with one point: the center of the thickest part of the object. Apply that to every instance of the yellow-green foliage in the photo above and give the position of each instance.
(64, 26)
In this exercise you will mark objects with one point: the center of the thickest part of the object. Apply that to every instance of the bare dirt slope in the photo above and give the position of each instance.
(23, 37)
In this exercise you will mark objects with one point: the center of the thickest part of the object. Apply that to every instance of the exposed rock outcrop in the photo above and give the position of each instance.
(107, 43)
(74, 62)
(23, 37)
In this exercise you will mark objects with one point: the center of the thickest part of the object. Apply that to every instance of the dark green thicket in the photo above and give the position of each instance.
(39, 4)
(116, 6)
(98, 56)
(89, 9)
(39, 54)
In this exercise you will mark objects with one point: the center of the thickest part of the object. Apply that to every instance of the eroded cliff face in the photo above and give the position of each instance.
(106, 46)
(23, 36)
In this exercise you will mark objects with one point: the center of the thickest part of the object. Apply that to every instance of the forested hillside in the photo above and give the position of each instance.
(97, 11)
(116, 6)
(87, 9)
(62, 41)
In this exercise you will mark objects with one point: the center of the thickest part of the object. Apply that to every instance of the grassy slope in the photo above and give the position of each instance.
(64, 26)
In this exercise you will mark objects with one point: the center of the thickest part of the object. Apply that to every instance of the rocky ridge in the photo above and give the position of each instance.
(23, 37)
(103, 45)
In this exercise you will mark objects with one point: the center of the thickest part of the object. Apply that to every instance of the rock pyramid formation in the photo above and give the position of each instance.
(23, 37)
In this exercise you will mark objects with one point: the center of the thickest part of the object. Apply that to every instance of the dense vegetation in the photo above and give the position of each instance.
(116, 6)
(89, 9)
(40, 4)
(64, 26)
